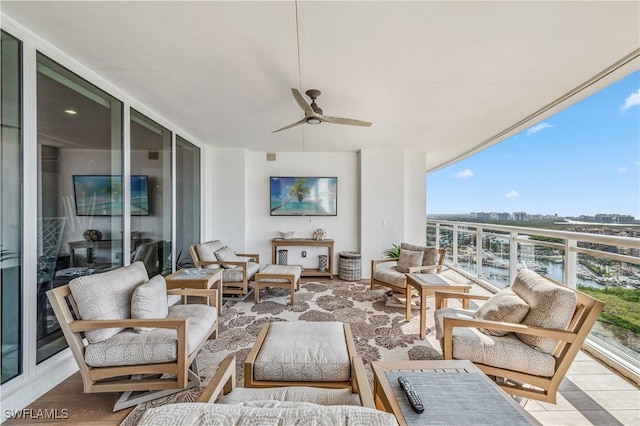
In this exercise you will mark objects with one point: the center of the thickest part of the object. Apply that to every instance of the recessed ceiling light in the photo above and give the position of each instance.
(70, 111)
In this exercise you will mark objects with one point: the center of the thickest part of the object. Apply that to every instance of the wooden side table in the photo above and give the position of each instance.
(306, 242)
(205, 279)
(468, 396)
(427, 285)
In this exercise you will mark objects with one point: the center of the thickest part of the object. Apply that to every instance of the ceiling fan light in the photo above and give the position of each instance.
(313, 120)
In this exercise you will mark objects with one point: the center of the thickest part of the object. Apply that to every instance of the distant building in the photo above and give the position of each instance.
(520, 216)
(604, 218)
(614, 218)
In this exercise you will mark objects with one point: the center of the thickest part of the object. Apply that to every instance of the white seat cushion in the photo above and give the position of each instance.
(390, 275)
(266, 413)
(280, 269)
(320, 396)
(506, 351)
(156, 346)
(107, 296)
(303, 351)
(236, 275)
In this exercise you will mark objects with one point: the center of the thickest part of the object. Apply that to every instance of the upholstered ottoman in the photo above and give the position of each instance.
(301, 353)
(286, 276)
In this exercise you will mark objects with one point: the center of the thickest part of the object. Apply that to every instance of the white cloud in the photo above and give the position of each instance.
(622, 169)
(631, 101)
(512, 194)
(538, 127)
(464, 174)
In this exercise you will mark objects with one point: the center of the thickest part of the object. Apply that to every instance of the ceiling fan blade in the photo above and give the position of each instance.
(297, 123)
(349, 121)
(303, 104)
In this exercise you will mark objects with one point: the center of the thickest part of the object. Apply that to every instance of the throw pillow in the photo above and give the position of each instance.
(149, 301)
(430, 256)
(504, 306)
(225, 254)
(409, 259)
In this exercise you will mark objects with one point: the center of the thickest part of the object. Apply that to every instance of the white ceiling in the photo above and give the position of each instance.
(438, 77)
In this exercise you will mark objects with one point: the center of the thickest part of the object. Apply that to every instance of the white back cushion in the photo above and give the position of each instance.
(107, 296)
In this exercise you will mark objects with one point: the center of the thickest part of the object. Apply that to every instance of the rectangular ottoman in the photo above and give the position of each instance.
(285, 276)
(301, 353)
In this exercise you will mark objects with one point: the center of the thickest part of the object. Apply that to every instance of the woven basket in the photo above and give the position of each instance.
(350, 266)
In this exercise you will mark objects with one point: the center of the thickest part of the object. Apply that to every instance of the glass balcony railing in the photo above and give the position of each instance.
(605, 266)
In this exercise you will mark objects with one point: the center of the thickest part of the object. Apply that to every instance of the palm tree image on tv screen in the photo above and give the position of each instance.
(303, 196)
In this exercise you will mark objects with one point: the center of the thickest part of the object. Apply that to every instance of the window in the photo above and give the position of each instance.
(79, 135)
(11, 208)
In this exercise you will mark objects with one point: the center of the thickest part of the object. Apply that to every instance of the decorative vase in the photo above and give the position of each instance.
(92, 235)
(322, 262)
(319, 234)
(283, 257)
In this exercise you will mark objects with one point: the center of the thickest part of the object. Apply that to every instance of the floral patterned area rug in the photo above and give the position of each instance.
(380, 332)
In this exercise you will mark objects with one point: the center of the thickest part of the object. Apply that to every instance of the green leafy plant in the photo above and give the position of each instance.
(394, 251)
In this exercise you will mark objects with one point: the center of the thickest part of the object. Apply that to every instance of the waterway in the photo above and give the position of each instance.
(555, 271)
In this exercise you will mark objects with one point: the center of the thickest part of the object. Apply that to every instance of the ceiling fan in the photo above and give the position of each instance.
(313, 113)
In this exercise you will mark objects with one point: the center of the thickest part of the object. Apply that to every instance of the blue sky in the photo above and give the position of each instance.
(583, 160)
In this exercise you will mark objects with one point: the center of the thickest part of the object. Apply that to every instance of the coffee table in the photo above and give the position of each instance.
(453, 392)
(204, 279)
(427, 285)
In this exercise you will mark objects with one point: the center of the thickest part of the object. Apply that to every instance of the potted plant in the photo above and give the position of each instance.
(393, 252)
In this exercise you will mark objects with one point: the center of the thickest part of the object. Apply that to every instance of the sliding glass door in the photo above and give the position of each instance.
(187, 200)
(151, 208)
(11, 208)
(80, 199)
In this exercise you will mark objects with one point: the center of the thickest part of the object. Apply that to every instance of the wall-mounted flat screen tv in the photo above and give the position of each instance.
(101, 195)
(304, 196)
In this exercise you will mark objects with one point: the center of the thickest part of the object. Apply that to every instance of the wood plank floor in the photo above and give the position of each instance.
(83, 409)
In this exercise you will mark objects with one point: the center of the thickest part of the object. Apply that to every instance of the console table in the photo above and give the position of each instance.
(306, 242)
(90, 245)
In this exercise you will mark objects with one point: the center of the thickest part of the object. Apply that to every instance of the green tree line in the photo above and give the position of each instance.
(622, 306)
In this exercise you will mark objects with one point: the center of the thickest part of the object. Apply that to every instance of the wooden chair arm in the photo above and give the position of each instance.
(223, 382)
(441, 296)
(254, 256)
(204, 263)
(362, 383)
(88, 325)
(376, 262)
(562, 335)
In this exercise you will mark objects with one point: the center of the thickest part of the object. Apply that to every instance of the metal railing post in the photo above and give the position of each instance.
(478, 252)
(570, 263)
(513, 256)
(454, 244)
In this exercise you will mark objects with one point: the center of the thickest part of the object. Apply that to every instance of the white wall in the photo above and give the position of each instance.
(415, 197)
(343, 228)
(228, 182)
(382, 201)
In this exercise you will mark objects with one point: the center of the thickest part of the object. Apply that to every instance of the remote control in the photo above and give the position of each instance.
(413, 397)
